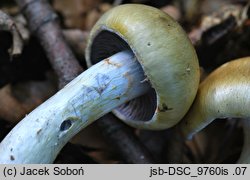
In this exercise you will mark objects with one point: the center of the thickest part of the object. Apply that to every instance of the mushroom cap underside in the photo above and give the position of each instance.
(166, 55)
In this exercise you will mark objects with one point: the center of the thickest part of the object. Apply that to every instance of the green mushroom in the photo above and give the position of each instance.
(149, 77)
(224, 93)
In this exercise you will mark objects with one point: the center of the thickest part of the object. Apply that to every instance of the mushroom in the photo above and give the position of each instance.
(224, 93)
(152, 61)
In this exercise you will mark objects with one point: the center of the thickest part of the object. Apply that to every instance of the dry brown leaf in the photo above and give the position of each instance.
(74, 12)
(10, 109)
(22, 26)
(19, 99)
(173, 11)
(95, 14)
(8, 24)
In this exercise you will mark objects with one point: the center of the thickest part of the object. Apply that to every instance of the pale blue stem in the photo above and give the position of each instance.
(39, 137)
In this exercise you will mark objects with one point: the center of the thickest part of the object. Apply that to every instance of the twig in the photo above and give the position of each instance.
(41, 20)
(133, 151)
(42, 23)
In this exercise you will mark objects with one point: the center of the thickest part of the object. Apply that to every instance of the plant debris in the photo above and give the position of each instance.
(8, 24)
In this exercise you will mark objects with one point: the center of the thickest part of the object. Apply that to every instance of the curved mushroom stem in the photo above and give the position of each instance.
(39, 137)
(224, 93)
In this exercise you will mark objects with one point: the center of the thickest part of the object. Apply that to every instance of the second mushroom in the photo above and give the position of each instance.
(225, 93)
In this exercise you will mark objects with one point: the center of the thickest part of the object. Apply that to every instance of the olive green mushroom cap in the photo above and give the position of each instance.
(165, 54)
